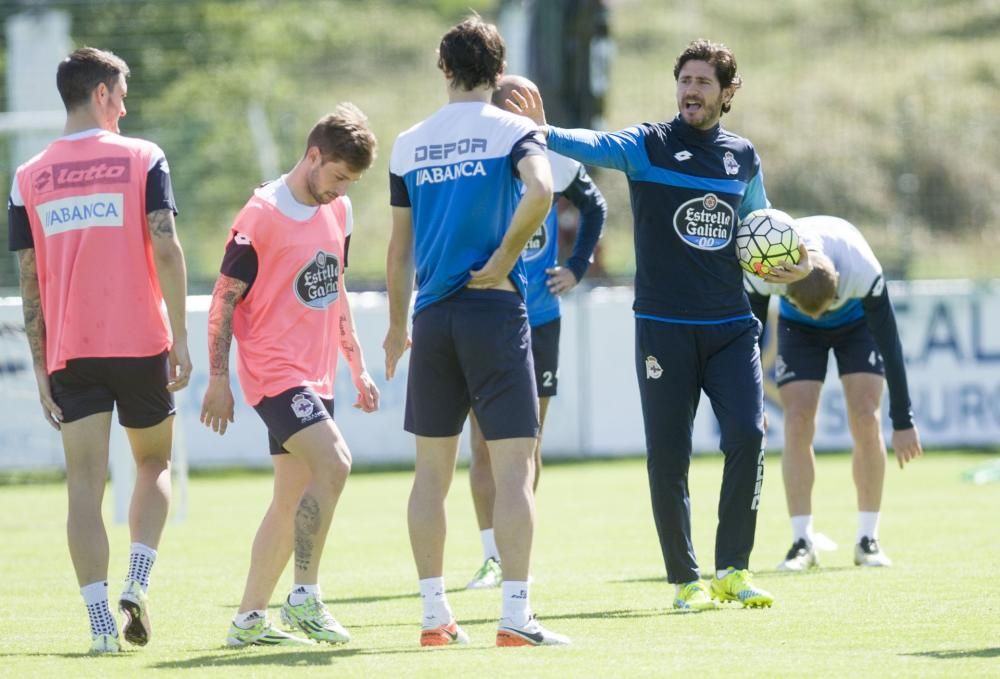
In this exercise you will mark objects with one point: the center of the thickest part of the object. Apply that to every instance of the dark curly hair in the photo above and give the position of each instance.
(472, 53)
(719, 57)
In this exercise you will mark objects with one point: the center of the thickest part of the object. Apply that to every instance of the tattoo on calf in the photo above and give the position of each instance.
(306, 527)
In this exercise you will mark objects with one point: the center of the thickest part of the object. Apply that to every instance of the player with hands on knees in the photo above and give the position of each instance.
(842, 306)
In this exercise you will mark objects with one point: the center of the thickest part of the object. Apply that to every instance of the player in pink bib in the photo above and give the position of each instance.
(103, 287)
(281, 294)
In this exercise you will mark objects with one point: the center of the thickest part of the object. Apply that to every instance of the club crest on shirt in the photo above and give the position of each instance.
(705, 223)
(653, 369)
(317, 284)
(729, 162)
(536, 244)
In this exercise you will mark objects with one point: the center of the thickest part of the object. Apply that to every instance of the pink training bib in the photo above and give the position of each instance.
(86, 203)
(287, 328)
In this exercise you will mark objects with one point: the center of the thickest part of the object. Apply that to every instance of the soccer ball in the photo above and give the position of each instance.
(765, 239)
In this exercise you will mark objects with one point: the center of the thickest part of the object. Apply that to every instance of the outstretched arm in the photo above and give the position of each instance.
(217, 406)
(172, 274)
(34, 328)
(350, 347)
(623, 150)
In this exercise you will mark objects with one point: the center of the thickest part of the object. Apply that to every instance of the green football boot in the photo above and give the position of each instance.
(736, 586)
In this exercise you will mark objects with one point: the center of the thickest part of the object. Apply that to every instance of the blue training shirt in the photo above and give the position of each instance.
(457, 171)
(689, 189)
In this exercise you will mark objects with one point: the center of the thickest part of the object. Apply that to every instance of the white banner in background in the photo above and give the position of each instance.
(950, 332)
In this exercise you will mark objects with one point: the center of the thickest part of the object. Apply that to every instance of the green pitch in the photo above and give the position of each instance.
(598, 577)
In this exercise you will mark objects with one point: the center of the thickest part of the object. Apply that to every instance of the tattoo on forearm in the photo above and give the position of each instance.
(306, 527)
(31, 304)
(226, 295)
(347, 338)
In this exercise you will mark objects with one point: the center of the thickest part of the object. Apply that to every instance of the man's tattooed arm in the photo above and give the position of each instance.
(350, 345)
(31, 303)
(161, 223)
(34, 328)
(170, 268)
(227, 294)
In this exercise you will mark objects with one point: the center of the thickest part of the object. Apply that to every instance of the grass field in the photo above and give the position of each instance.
(598, 577)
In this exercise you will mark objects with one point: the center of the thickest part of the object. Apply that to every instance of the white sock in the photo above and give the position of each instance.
(436, 608)
(140, 563)
(489, 545)
(867, 525)
(515, 607)
(95, 596)
(300, 593)
(802, 528)
(248, 619)
(721, 574)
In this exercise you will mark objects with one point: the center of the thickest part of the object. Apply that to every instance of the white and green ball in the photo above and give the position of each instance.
(766, 239)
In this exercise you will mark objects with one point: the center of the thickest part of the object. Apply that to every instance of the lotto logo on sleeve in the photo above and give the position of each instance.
(81, 212)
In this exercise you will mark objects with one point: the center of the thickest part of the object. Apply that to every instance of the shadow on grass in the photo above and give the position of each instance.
(245, 657)
(335, 601)
(588, 615)
(812, 571)
(756, 571)
(990, 652)
(101, 657)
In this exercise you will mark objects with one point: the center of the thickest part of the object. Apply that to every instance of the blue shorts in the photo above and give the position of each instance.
(545, 354)
(290, 412)
(803, 351)
(472, 349)
(87, 386)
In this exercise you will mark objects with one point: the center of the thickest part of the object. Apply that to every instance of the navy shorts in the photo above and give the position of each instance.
(545, 353)
(803, 351)
(138, 386)
(472, 349)
(290, 412)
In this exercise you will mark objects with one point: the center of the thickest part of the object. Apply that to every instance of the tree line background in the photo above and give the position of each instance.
(883, 113)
